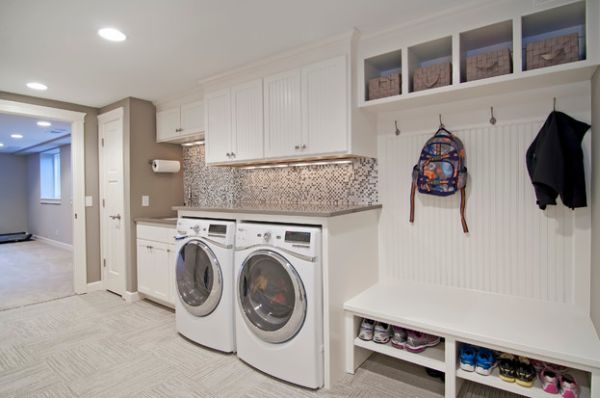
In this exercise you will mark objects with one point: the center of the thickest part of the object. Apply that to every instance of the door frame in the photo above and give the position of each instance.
(117, 113)
(78, 178)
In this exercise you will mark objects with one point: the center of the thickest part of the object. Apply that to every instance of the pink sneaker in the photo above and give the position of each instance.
(550, 382)
(568, 386)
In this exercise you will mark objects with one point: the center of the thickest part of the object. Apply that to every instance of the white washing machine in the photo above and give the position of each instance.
(279, 305)
(204, 281)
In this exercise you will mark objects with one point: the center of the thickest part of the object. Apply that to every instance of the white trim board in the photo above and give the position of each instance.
(78, 176)
(54, 243)
(131, 297)
(95, 286)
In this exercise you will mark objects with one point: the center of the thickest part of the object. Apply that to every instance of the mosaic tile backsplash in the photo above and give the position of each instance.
(333, 184)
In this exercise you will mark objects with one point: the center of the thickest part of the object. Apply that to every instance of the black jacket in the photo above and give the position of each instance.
(555, 162)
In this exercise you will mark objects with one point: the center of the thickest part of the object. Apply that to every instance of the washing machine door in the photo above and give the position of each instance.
(199, 278)
(271, 296)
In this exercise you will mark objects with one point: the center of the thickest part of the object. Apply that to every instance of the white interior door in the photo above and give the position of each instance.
(112, 214)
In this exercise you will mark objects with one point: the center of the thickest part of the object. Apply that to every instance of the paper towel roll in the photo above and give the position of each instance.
(165, 166)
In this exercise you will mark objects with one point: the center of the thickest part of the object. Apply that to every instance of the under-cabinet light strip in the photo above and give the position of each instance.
(298, 164)
(201, 142)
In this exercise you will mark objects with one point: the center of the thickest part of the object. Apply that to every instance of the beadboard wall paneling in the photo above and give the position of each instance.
(513, 247)
(330, 184)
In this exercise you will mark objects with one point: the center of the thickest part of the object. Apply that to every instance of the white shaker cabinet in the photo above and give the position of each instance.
(283, 114)
(167, 125)
(153, 269)
(218, 126)
(325, 107)
(180, 123)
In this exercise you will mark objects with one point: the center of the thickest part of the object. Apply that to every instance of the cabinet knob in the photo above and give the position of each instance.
(149, 247)
(297, 147)
(303, 146)
(179, 130)
(228, 154)
(232, 154)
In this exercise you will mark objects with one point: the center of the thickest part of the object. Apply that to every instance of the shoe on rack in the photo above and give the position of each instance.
(485, 360)
(467, 356)
(525, 372)
(399, 337)
(568, 386)
(418, 341)
(366, 329)
(550, 381)
(507, 368)
(383, 333)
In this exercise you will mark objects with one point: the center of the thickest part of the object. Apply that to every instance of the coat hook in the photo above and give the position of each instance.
(554, 104)
(492, 119)
(397, 132)
(441, 124)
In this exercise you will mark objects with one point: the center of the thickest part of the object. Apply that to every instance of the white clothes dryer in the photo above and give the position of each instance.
(279, 305)
(204, 282)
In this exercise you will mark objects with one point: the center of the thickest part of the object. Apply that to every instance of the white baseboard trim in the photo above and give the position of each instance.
(54, 243)
(131, 297)
(94, 286)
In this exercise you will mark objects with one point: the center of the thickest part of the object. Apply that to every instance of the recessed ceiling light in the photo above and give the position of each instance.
(37, 86)
(112, 34)
(16, 136)
(42, 123)
(1, 144)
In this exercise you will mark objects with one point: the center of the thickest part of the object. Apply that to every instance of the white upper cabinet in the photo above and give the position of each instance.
(283, 114)
(325, 107)
(218, 126)
(180, 123)
(247, 121)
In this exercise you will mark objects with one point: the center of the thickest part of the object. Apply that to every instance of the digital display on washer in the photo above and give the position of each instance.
(297, 237)
(217, 229)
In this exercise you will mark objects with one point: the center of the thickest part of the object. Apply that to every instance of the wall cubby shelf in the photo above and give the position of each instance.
(513, 34)
(433, 358)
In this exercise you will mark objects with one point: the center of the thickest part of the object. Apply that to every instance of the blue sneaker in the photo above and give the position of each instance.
(485, 361)
(467, 356)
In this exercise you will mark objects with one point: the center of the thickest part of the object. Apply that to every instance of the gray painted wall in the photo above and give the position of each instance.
(51, 221)
(91, 174)
(595, 299)
(165, 190)
(13, 193)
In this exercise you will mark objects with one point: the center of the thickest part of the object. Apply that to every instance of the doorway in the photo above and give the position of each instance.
(49, 157)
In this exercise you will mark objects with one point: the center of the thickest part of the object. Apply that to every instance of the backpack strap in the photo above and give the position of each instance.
(413, 188)
(462, 210)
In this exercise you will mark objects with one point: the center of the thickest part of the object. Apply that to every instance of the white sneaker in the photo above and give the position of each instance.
(366, 329)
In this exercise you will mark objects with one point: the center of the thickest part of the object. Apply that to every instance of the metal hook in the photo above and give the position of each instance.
(554, 104)
(397, 132)
(441, 124)
(492, 119)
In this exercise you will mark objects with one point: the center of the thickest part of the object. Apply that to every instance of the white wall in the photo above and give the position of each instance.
(513, 247)
(595, 200)
(51, 221)
(13, 194)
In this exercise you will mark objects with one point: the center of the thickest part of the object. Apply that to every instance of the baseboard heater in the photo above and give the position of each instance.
(15, 237)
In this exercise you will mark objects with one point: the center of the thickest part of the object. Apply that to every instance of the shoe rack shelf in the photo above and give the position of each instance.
(481, 319)
(535, 391)
(454, 47)
(433, 357)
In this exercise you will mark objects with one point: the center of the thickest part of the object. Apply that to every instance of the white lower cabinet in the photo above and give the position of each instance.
(156, 263)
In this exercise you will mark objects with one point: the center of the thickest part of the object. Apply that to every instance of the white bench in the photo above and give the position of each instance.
(551, 332)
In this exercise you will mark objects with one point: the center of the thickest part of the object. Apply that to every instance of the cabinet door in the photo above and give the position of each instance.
(325, 107)
(218, 126)
(160, 276)
(145, 267)
(167, 125)
(172, 282)
(192, 118)
(283, 114)
(247, 121)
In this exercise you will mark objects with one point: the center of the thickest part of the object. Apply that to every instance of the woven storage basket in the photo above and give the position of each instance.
(385, 86)
(554, 51)
(432, 76)
(491, 64)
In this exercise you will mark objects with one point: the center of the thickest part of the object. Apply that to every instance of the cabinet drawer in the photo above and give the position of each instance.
(164, 234)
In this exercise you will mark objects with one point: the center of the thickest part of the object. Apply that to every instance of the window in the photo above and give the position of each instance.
(50, 175)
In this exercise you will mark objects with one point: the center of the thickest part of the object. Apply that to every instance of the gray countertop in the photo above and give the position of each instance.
(286, 210)
(164, 221)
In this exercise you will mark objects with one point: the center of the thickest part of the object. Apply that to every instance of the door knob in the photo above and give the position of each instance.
(117, 217)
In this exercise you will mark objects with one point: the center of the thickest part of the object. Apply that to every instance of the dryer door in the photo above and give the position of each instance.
(271, 296)
(199, 278)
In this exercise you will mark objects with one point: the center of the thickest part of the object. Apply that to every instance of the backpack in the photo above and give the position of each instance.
(441, 171)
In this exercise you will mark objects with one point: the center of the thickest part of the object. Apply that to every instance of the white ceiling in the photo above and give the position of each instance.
(171, 43)
(33, 134)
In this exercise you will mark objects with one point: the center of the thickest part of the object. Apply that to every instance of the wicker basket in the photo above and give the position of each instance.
(491, 64)
(385, 86)
(555, 51)
(432, 76)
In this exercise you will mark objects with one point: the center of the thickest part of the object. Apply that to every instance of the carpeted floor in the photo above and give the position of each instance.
(96, 345)
(34, 272)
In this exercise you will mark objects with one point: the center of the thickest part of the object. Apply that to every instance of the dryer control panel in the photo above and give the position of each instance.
(305, 240)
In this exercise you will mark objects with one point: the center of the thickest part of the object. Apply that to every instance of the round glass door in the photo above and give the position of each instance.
(271, 296)
(199, 278)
